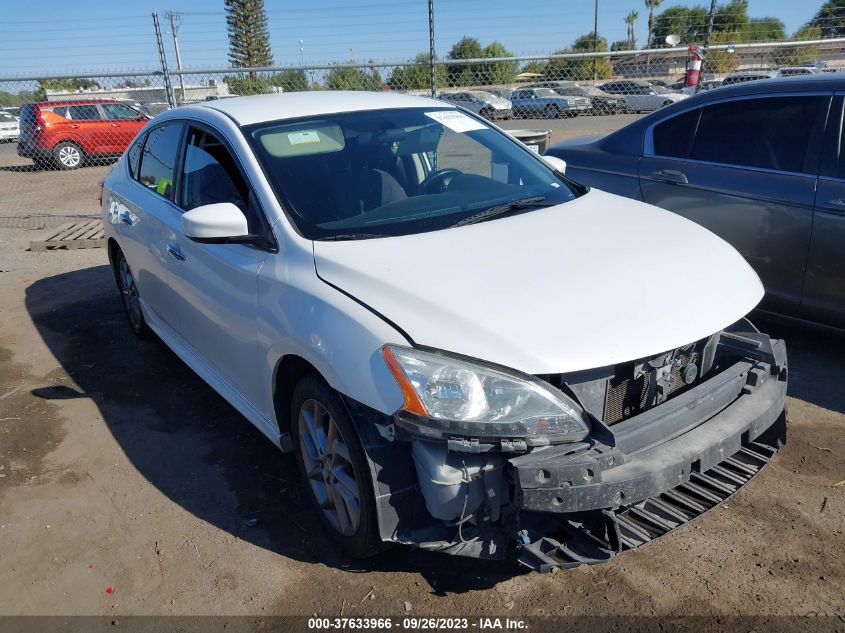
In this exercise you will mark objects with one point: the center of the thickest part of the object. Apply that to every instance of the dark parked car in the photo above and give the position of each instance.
(761, 164)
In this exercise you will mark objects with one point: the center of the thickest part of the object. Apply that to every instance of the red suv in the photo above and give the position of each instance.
(69, 132)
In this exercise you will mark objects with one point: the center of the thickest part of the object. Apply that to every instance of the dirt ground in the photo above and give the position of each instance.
(120, 468)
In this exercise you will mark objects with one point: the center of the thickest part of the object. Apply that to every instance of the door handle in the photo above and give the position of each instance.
(669, 175)
(115, 124)
(74, 127)
(175, 252)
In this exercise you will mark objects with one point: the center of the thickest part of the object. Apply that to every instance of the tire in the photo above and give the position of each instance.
(667, 103)
(334, 468)
(130, 298)
(68, 155)
(487, 113)
(552, 112)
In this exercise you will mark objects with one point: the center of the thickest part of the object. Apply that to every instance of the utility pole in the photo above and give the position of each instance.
(168, 87)
(431, 63)
(706, 42)
(175, 17)
(596, 41)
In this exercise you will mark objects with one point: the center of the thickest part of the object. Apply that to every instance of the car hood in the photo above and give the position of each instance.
(585, 284)
(498, 102)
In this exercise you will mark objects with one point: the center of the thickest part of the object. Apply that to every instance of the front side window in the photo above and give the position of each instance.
(119, 112)
(768, 133)
(158, 159)
(397, 172)
(210, 174)
(673, 137)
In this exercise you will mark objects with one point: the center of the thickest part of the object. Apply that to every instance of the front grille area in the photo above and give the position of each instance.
(636, 387)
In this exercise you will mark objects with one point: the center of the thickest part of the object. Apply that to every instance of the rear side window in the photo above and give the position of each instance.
(133, 156)
(83, 113)
(158, 159)
(768, 133)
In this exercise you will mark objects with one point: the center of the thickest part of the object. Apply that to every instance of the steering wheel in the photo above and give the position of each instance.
(438, 180)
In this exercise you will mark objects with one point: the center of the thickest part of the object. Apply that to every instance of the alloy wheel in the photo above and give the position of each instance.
(129, 294)
(70, 156)
(329, 468)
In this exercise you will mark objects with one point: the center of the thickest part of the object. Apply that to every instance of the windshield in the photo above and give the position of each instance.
(546, 92)
(661, 90)
(395, 172)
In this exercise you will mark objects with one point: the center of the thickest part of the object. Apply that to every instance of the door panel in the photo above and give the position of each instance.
(215, 286)
(824, 287)
(151, 219)
(767, 217)
(746, 169)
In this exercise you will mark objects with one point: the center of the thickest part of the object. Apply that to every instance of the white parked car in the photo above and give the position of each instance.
(9, 127)
(488, 105)
(462, 347)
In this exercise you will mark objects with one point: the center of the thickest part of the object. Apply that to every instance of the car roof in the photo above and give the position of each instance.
(293, 105)
(629, 138)
(65, 102)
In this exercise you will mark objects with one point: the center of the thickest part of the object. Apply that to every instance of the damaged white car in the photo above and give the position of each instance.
(465, 350)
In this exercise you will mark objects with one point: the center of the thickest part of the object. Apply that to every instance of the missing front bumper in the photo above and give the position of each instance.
(597, 538)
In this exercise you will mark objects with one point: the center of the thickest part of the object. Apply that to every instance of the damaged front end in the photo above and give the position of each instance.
(667, 438)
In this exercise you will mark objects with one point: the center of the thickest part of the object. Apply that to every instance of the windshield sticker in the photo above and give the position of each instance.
(306, 136)
(456, 121)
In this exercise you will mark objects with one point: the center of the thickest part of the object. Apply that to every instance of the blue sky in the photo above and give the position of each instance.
(105, 35)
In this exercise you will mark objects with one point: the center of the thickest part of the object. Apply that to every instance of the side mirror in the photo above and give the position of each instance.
(558, 164)
(219, 223)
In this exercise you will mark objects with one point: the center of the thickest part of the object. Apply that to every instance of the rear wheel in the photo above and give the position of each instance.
(487, 113)
(334, 467)
(131, 299)
(67, 155)
(552, 112)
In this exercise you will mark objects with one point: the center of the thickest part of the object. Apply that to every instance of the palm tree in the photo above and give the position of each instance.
(629, 20)
(651, 5)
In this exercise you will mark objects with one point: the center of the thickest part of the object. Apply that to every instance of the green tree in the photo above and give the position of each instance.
(248, 84)
(630, 20)
(534, 67)
(829, 19)
(249, 38)
(63, 85)
(688, 23)
(651, 5)
(800, 55)
(461, 74)
(621, 45)
(731, 17)
(497, 72)
(581, 68)
(351, 78)
(416, 76)
(289, 80)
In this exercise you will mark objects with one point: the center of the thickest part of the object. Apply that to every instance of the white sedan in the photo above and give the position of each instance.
(9, 127)
(464, 349)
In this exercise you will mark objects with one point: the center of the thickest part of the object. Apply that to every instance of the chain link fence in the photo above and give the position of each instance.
(61, 123)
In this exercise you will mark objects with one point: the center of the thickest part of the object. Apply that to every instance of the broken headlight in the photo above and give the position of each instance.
(455, 396)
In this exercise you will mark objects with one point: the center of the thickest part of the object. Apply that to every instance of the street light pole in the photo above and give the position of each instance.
(175, 17)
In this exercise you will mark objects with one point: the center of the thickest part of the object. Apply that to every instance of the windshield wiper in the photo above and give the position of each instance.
(350, 236)
(505, 209)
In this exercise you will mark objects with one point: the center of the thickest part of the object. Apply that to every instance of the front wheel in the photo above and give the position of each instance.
(334, 467)
(552, 112)
(67, 155)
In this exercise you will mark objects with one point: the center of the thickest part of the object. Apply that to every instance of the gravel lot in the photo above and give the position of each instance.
(119, 468)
